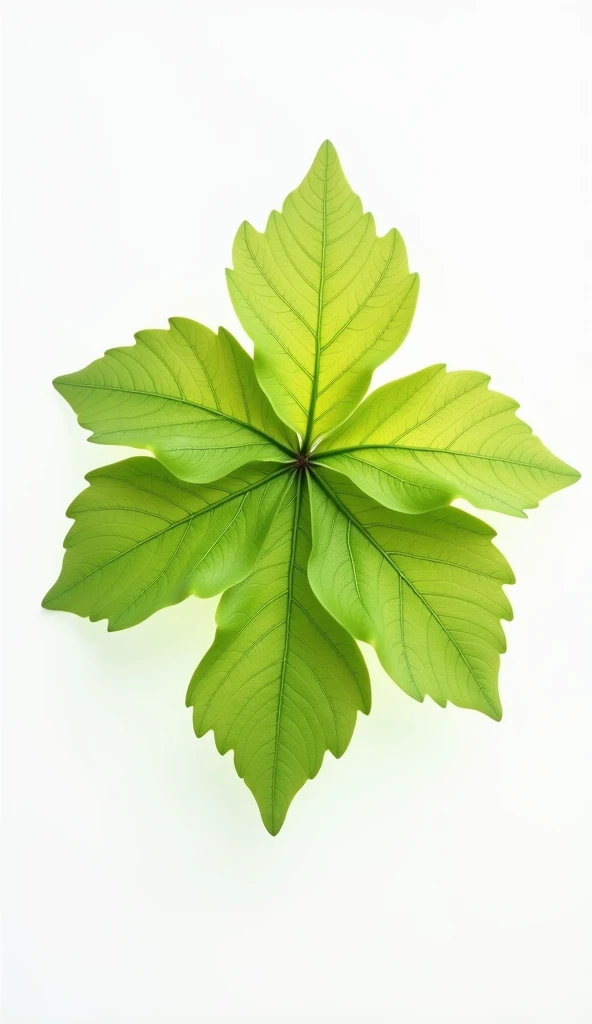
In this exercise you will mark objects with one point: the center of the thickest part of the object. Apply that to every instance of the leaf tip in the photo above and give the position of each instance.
(492, 708)
(224, 333)
(326, 152)
(273, 822)
(272, 817)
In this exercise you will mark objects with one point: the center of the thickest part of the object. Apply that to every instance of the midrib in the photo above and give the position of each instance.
(435, 451)
(180, 401)
(317, 366)
(289, 603)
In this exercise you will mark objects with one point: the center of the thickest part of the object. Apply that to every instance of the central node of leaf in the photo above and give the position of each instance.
(302, 461)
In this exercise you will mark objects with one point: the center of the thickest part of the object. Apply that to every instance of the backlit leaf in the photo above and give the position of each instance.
(187, 394)
(419, 442)
(282, 681)
(321, 518)
(324, 299)
(424, 590)
(142, 540)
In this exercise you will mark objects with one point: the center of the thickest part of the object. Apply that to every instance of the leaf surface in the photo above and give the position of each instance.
(142, 540)
(425, 590)
(324, 299)
(188, 395)
(419, 442)
(322, 519)
(282, 681)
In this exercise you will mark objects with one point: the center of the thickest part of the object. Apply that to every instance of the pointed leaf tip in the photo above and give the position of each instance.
(327, 148)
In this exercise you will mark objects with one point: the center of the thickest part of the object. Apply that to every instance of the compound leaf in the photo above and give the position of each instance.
(425, 590)
(282, 681)
(322, 521)
(142, 540)
(188, 395)
(419, 442)
(324, 299)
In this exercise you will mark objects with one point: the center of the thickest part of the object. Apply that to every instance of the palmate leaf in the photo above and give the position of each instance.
(324, 299)
(143, 540)
(419, 442)
(424, 590)
(187, 394)
(322, 519)
(282, 681)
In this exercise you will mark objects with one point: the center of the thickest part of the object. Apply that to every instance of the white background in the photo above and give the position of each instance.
(439, 873)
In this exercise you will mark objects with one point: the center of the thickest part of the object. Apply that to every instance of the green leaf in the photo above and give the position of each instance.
(324, 299)
(418, 443)
(142, 540)
(424, 590)
(282, 682)
(259, 445)
(188, 395)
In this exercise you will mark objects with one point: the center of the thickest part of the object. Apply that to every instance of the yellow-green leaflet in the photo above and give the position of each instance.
(324, 299)
(282, 681)
(424, 590)
(323, 515)
(419, 442)
(187, 394)
(143, 540)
